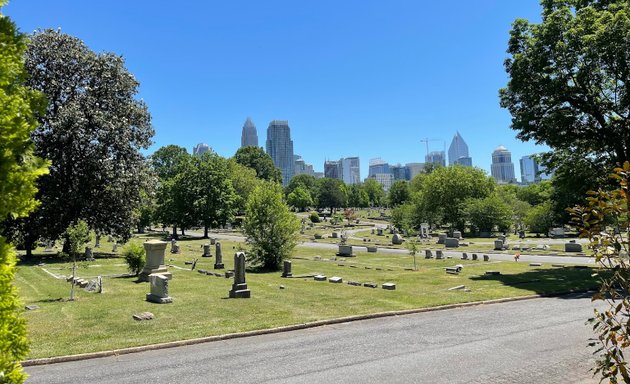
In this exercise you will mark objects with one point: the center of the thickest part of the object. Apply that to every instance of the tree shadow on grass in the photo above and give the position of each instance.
(548, 281)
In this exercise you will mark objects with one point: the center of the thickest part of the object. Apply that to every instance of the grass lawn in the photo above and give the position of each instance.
(96, 322)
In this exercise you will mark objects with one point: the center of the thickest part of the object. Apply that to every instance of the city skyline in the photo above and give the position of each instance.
(348, 89)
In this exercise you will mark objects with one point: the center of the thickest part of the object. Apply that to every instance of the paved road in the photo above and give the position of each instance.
(532, 341)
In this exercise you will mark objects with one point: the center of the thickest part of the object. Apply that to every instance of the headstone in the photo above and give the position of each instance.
(389, 286)
(345, 250)
(88, 254)
(286, 268)
(451, 242)
(319, 278)
(174, 247)
(159, 289)
(115, 247)
(498, 245)
(335, 235)
(457, 235)
(317, 236)
(535, 264)
(49, 246)
(439, 255)
(441, 238)
(502, 238)
(486, 258)
(428, 254)
(98, 241)
(424, 230)
(474, 256)
(464, 256)
(397, 239)
(218, 260)
(370, 285)
(372, 230)
(206, 251)
(110, 239)
(371, 249)
(556, 232)
(212, 241)
(239, 287)
(379, 231)
(154, 264)
(335, 279)
(573, 247)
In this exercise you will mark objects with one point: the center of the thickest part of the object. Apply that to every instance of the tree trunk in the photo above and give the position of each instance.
(66, 246)
(28, 244)
(182, 229)
(174, 232)
(205, 232)
(140, 229)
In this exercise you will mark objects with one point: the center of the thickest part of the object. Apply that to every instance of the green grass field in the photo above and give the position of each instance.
(96, 322)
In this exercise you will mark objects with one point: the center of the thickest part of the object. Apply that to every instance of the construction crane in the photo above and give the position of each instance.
(426, 140)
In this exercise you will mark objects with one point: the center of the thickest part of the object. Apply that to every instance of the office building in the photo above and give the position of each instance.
(436, 158)
(458, 152)
(399, 172)
(301, 168)
(350, 170)
(377, 165)
(280, 148)
(502, 168)
(529, 170)
(414, 169)
(201, 148)
(332, 169)
(249, 137)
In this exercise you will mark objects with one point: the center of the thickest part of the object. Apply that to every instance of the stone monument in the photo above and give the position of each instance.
(155, 250)
(286, 269)
(218, 261)
(159, 289)
(206, 251)
(88, 254)
(239, 287)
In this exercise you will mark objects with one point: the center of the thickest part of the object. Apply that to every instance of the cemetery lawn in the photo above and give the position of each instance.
(98, 322)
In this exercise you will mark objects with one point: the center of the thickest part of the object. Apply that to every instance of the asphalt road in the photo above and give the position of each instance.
(532, 341)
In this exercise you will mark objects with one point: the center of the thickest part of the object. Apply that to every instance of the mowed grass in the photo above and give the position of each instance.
(97, 322)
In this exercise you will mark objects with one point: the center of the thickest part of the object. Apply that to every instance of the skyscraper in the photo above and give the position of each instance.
(435, 157)
(458, 152)
(502, 168)
(201, 148)
(332, 169)
(529, 170)
(301, 167)
(249, 137)
(280, 148)
(350, 170)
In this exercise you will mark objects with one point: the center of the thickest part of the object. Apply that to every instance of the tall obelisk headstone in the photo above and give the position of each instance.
(239, 288)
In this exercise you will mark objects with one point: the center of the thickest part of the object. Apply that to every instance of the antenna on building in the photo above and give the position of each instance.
(426, 141)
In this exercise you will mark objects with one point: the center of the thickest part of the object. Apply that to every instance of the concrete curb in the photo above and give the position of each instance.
(295, 327)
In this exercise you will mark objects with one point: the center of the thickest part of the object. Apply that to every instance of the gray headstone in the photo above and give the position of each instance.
(239, 287)
(319, 278)
(345, 250)
(428, 254)
(379, 231)
(457, 235)
(397, 239)
(286, 268)
(474, 256)
(218, 260)
(486, 258)
(498, 245)
(441, 238)
(573, 247)
(439, 254)
(335, 279)
(451, 242)
(175, 248)
(88, 254)
(464, 256)
(371, 249)
(389, 286)
(159, 289)
(206, 251)
(335, 235)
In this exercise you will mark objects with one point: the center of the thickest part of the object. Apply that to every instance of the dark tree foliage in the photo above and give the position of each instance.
(568, 88)
(332, 194)
(258, 160)
(92, 132)
(399, 193)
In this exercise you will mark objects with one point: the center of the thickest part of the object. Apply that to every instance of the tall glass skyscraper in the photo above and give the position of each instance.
(502, 168)
(458, 152)
(280, 148)
(249, 137)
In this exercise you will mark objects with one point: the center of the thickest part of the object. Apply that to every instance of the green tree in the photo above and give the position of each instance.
(300, 198)
(488, 213)
(170, 164)
(213, 198)
(243, 180)
(92, 131)
(19, 170)
(536, 193)
(568, 89)
(358, 197)
(446, 188)
(307, 181)
(540, 218)
(256, 159)
(376, 194)
(332, 194)
(399, 193)
(270, 227)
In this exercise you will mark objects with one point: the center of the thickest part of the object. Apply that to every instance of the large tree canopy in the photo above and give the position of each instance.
(258, 160)
(92, 131)
(569, 78)
(18, 171)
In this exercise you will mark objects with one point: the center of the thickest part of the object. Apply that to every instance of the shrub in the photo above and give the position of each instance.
(134, 256)
(314, 217)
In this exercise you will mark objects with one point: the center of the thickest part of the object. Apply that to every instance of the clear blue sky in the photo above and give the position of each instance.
(353, 78)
